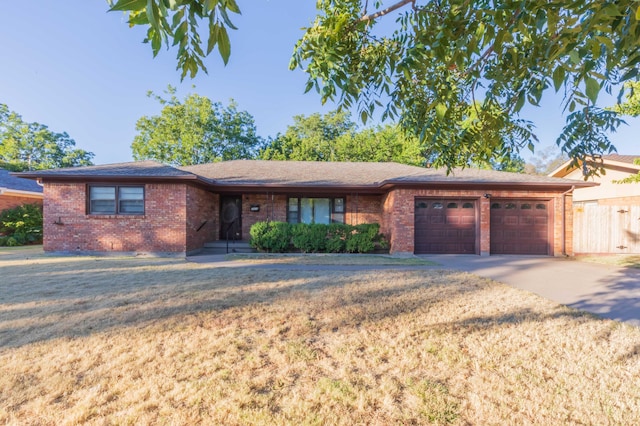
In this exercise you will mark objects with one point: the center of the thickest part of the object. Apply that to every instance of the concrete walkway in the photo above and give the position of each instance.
(609, 291)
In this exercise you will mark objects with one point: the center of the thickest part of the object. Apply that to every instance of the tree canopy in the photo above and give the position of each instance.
(443, 63)
(195, 131)
(334, 137)
(32, 146)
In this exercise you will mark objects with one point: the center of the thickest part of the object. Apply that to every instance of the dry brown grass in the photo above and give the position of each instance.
(330, 259)
(160, 341)
(626, 260)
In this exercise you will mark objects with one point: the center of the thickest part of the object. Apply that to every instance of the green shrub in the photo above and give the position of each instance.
(337, 238)
(21, 225)
(278, 237)
(273, 237)
(363, 238)
(309, 238)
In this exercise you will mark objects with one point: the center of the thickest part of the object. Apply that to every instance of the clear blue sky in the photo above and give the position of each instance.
(74, 67)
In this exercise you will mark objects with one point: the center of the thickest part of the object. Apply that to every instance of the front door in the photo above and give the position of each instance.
(231, 218)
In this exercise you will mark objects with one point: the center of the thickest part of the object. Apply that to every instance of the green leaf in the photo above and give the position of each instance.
(225, 18)
(441, 110)
(156, 43)
(638, 14)
(233, 6)
(592, 88)
(180, 33)
(129, 5)
(520, 101)
(152, 14)
(138, 19)
(208, 6)
(224, 46)
(213, 36)
(558, 77)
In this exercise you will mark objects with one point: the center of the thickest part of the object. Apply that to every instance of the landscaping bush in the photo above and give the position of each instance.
(21, 225)
(336, 238)
(273, 237)
(278, 237)
(309, 238)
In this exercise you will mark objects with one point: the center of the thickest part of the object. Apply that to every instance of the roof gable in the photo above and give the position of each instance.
(611, 161)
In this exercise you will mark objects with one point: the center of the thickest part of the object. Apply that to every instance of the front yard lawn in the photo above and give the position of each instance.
(165, 341)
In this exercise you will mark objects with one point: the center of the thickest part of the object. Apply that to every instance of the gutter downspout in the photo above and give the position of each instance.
(564, 220)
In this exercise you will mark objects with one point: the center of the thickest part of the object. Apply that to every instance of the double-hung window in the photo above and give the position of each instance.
(116, 199)
(315, 210)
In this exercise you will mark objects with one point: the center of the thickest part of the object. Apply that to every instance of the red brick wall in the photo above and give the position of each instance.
(359, 209)
(10, 201)
(203, 209)
(160, 229)
(568, 207)
(398, 215)
(363, 209)
(272, 207)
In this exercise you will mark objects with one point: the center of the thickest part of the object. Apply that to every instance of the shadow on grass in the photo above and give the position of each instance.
(94, 296)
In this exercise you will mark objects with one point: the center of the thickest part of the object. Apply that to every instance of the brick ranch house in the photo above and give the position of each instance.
(15, 191)
(150, 207)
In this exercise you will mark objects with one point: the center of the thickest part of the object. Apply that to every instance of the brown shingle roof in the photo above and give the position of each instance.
(135, 169)
(351, 174)
(300, 173)
(256, 173)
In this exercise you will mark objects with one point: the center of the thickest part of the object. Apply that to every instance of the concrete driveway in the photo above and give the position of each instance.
(609, 291)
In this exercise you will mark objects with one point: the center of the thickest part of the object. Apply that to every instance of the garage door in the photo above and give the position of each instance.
(445, 226)
(520, 227)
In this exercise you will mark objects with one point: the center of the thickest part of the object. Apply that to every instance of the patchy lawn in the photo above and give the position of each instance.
(329, 259)
(627, 260)
(20, 251)
(148, 341)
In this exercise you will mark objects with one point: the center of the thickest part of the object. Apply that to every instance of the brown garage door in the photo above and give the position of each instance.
(445, 226)
(520, 227)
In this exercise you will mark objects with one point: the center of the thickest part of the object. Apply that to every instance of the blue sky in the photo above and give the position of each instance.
(74, 67)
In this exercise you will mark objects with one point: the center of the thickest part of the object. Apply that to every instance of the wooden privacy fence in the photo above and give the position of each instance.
(606, 229)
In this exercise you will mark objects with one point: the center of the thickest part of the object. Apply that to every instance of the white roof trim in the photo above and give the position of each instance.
(19, 193)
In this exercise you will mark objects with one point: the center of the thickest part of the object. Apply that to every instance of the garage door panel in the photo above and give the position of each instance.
(519, 227)
(445, 226)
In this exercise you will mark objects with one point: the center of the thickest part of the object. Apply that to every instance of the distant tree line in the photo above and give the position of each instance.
(196, 130)
(33, 146)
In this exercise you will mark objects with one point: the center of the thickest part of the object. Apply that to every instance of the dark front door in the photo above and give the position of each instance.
(445, 226)
(231, 218)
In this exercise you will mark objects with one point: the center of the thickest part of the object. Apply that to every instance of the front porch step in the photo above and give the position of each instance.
(220, 247)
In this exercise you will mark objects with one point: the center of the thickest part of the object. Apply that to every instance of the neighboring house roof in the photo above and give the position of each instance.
(131, 170)
(261, 173)
(13, 184)
(614, 161)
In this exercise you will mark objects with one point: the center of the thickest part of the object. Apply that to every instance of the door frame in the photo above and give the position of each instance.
(476, 208)
(238, 201)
